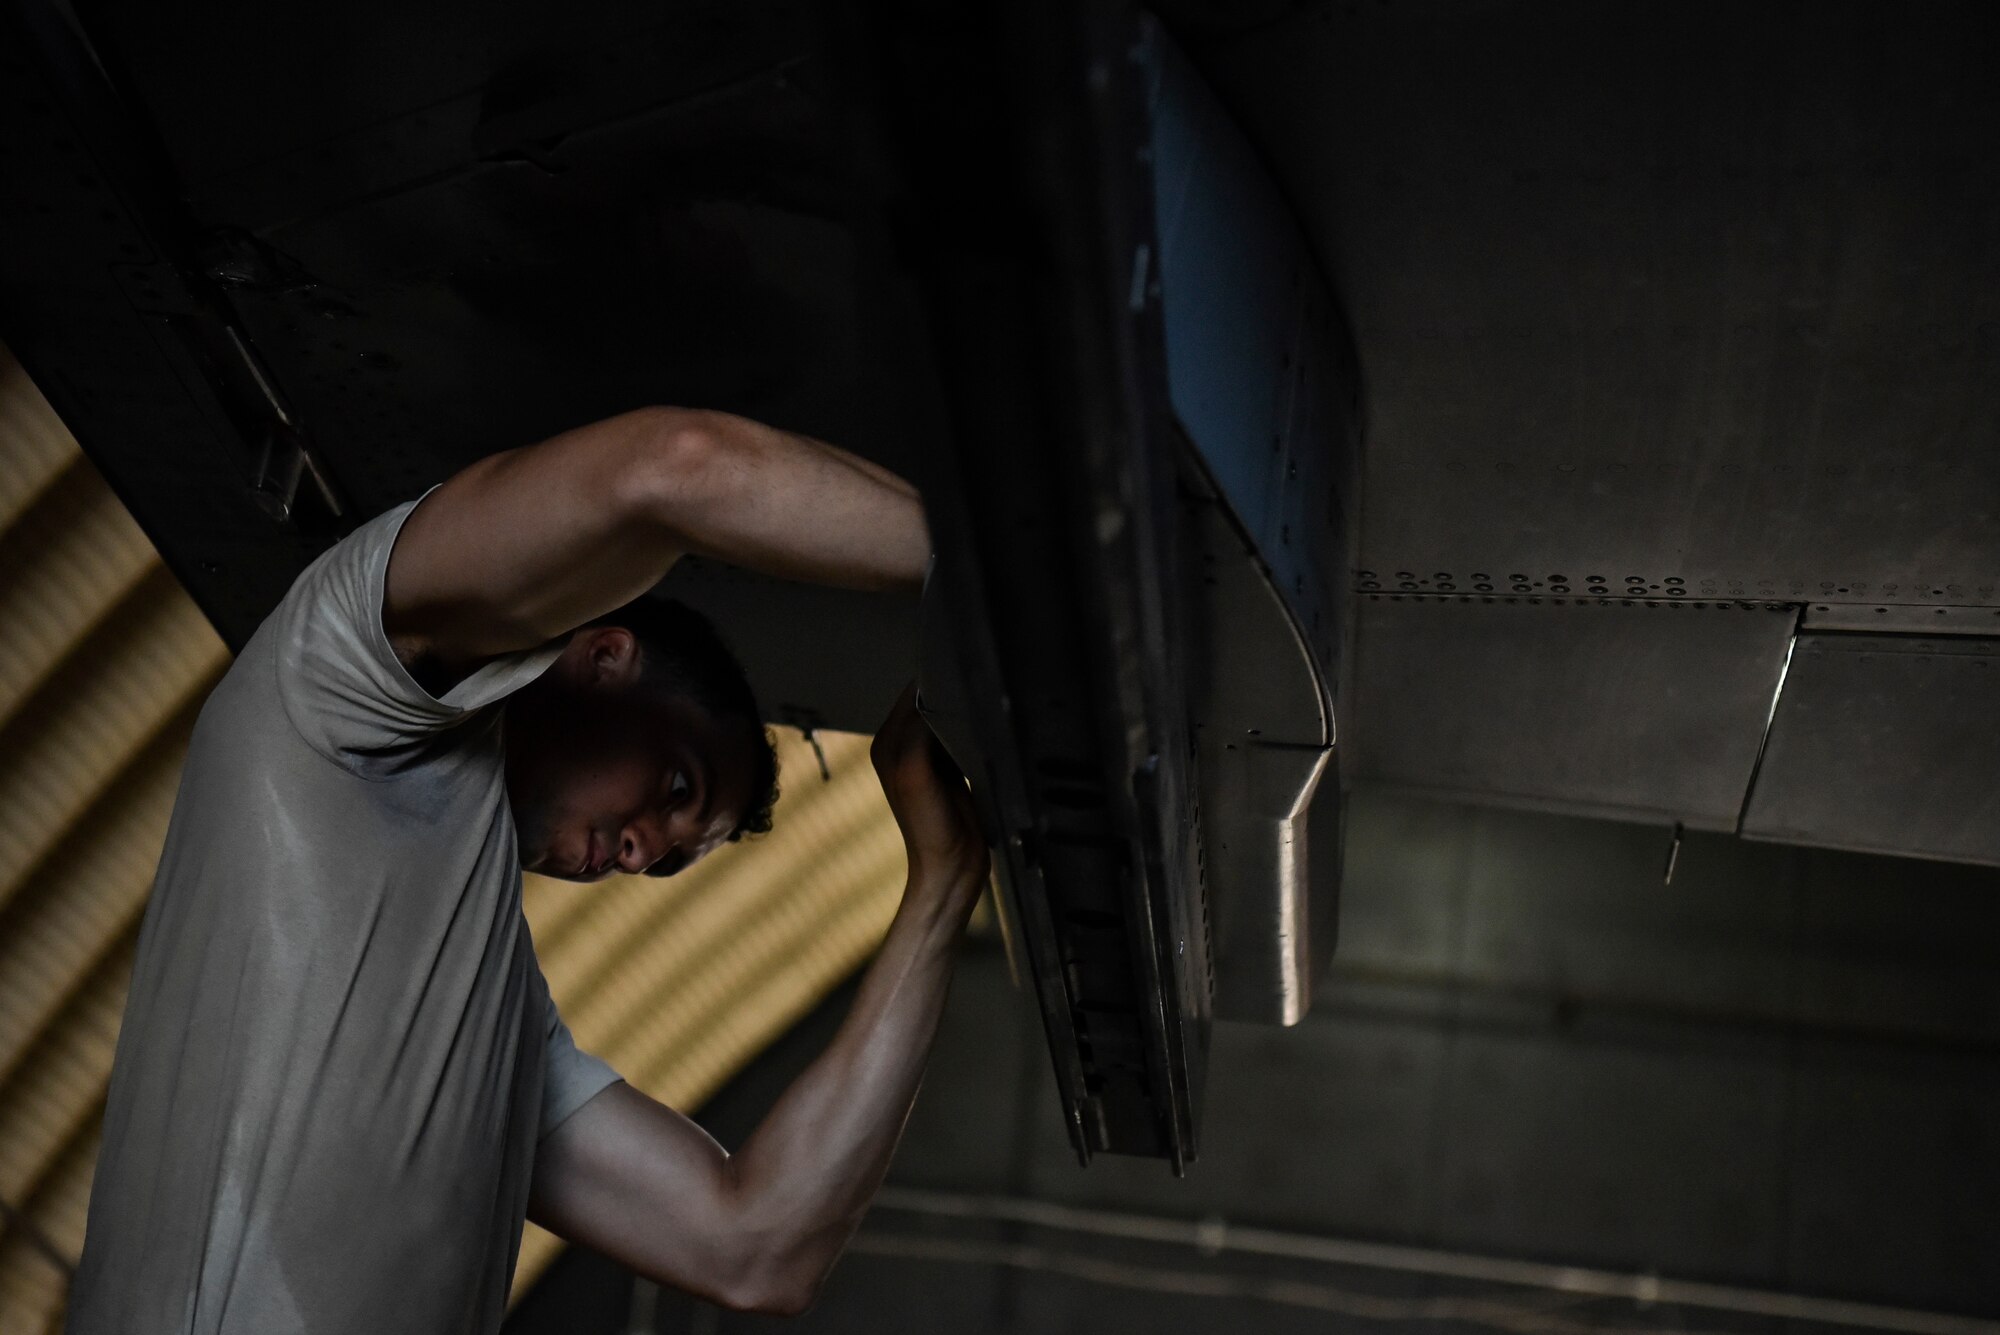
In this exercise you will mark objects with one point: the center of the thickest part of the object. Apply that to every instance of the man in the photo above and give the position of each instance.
(341, 1081)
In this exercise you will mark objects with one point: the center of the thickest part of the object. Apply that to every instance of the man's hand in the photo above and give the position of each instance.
(932, 806)
(760, 1230)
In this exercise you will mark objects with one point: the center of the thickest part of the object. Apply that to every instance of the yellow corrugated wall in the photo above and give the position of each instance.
(104, 662)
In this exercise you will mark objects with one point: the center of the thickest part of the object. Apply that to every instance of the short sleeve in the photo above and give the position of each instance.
(571, 1077)
(341, 683)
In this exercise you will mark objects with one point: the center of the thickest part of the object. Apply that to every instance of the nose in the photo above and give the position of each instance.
(642, 843)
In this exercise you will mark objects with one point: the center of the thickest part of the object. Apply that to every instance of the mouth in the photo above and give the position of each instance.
(595, 863)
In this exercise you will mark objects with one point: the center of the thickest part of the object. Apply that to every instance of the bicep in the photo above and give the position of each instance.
(527, 545)
(632, 1178)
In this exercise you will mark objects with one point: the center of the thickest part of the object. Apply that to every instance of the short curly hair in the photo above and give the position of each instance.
(682, 652)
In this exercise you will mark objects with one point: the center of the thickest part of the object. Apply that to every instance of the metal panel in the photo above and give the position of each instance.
(1886, 744)
(1261, 381)
(1648, 290)
(1260, 368)
(1257, 701)
(1641, 710)
(1901, 619)
(1059, 552)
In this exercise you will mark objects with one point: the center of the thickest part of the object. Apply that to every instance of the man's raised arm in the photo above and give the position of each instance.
(524, 546)
(760, 1230)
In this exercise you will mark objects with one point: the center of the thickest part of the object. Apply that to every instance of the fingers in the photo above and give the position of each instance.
(888, 737)
(941, 761)
(911, 760)
(902, 733)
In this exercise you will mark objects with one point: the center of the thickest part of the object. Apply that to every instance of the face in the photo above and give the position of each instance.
(606, 774)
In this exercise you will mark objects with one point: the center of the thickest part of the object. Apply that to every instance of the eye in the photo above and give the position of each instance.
(678, 789)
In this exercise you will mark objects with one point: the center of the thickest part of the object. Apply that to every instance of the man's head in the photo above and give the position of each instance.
(640, 749)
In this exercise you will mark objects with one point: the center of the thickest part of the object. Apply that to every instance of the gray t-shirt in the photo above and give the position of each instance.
(339, 1051)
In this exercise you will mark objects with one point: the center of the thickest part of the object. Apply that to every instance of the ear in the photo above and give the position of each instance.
(606, 656)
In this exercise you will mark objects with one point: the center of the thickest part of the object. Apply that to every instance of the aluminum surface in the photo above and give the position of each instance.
(1901, 619)
(1261, 381)
(1260, 368)
(1651, 711)
(1059, 547)
(1265, 736)
(1886, 744)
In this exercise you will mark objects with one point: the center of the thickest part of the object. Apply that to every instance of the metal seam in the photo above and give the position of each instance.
(1770, 720)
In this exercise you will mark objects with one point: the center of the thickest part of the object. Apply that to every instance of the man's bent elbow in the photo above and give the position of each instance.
(777, 1272)
(680, 464)
(787, 1302)
(773, 1294)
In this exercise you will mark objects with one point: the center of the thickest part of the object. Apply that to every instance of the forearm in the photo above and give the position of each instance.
(642, 1183)
(787, 505)
(760, 1230)
(807, 1174)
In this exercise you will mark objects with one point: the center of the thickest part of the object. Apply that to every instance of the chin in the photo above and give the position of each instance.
(531, 836)
(543, 860)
